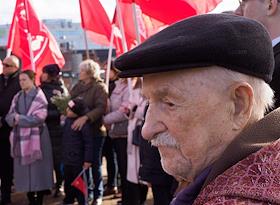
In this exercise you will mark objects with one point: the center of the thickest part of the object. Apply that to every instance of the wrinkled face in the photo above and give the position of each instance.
(254, 9)
(25, 82)
(188, 120)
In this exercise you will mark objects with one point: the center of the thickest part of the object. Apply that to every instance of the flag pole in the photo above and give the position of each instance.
(136, 24)
(109, 59)
(86, 183)
(85, 34)
(9, 52)
(86, 44)
(119, 15)
(11, 35)
(29, 38)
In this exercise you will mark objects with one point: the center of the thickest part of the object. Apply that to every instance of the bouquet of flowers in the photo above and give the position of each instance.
(61, 102)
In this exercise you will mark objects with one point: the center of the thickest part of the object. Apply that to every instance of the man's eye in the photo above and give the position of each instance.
(169, 104)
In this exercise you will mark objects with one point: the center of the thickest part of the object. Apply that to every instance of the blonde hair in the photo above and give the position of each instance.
(91, 67)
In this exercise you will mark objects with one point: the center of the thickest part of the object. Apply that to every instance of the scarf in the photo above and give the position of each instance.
(25, 141)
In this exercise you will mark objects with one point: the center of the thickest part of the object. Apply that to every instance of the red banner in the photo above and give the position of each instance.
(29, 38)
(95, 20)
(169, 12)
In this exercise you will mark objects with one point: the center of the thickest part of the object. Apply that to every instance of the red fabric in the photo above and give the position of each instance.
(253, 180)
(95, 19)
(129, 28)
(79, 184)
(169, 12)
(153, 16)
(44, 47)
(147, 26)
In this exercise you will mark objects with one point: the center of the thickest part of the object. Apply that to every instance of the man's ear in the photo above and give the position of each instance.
(272, 7)
(242, 97)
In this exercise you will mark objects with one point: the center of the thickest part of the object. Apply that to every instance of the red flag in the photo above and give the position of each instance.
(95, 20)
(147, 26)
(42, 43)
(169, 12)
(118, 44)
(79, 184)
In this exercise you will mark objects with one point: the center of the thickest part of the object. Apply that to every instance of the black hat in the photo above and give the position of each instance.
(78, 106)
(51, 69)
(230, 41)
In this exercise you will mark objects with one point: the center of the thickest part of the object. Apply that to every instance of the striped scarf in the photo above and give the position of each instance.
(25, 141)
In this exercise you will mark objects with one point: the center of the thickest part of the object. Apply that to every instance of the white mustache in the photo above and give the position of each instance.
(164, 139)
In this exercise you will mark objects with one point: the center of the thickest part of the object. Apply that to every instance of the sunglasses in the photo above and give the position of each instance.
(7, 65)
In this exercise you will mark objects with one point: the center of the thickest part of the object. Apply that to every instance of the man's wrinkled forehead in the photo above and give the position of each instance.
(164, 84)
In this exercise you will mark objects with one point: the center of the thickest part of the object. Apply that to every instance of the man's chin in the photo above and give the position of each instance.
(172, 164)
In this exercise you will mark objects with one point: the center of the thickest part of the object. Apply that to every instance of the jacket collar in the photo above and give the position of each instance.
(252, 139)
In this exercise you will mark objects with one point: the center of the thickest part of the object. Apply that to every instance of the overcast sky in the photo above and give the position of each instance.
(69, 9)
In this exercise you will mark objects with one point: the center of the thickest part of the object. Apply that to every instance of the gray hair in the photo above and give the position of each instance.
(263, 97)
(91, 67)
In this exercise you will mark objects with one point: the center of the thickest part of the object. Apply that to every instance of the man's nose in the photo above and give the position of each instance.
(152, 125)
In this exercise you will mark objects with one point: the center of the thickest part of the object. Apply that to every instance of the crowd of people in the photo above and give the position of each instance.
(39, 140)
(203, 92)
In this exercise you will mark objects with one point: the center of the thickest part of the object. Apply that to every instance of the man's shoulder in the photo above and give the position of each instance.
(255, 177)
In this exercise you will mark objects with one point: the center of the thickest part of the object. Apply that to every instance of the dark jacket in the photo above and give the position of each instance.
(77, 146)
(95, 97)
(150, 166)
(53, 118)
(248, 171)
(8, 88)
(275, 83)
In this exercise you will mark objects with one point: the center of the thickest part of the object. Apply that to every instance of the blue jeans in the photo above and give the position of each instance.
(98, 142)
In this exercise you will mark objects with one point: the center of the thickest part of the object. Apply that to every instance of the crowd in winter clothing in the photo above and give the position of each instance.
(38, 140)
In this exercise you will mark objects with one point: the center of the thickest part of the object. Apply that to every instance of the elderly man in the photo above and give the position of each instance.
(206, 79)
(268, 13)
(9, 86)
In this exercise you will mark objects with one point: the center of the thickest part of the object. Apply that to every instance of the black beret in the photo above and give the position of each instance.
(234, 42)
(51, 69)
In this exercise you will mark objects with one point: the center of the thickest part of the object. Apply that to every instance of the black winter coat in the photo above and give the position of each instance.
(150, 169)
(275, 83)
(77, 146)
(53, 118)
(8, 89)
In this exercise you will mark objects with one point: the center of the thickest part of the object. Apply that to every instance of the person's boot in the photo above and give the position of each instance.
(57, 192)
(110, 190)
(31, 198)
(40, 197)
